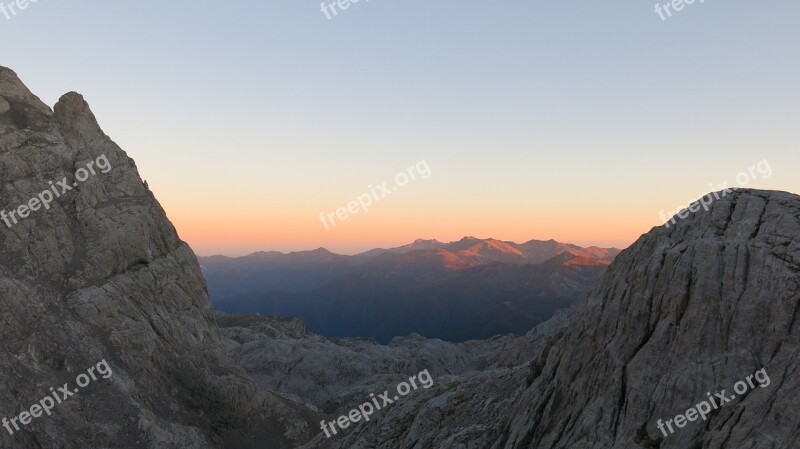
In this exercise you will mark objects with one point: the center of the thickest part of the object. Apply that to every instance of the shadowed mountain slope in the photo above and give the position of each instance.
(472, 304)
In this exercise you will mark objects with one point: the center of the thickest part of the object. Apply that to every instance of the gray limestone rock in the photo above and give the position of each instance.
(100, 274)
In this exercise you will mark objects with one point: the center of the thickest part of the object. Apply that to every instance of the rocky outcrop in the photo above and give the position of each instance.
(688, 310)
(332, 375)
(101, 274)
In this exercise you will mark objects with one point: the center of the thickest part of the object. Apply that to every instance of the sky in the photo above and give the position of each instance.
(581, 121)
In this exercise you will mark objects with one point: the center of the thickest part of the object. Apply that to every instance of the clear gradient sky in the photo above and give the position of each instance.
(578, 121)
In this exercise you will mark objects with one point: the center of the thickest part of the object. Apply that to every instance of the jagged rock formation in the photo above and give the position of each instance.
(689, 309)
(102, 274)
(333, 374)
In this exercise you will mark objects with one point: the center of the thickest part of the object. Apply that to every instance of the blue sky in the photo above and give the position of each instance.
(578, 120)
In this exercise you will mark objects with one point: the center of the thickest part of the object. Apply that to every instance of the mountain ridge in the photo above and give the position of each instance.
(427, 244)
(299, 271)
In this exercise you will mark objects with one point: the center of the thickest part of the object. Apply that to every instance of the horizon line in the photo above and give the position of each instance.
(389, 247)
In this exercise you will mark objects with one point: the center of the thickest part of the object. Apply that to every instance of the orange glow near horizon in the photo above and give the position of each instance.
(243, 231)
(243, 211)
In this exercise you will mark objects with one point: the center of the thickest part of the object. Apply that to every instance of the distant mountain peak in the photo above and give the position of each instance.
(319, 250)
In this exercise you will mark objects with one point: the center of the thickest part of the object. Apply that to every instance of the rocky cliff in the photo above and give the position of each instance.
(99, 273)
(688, 310)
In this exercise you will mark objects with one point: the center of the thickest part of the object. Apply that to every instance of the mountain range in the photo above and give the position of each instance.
(229, 277)
(469, 289)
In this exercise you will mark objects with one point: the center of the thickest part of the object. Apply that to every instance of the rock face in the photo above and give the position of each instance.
(688, 310)
(102, 275)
